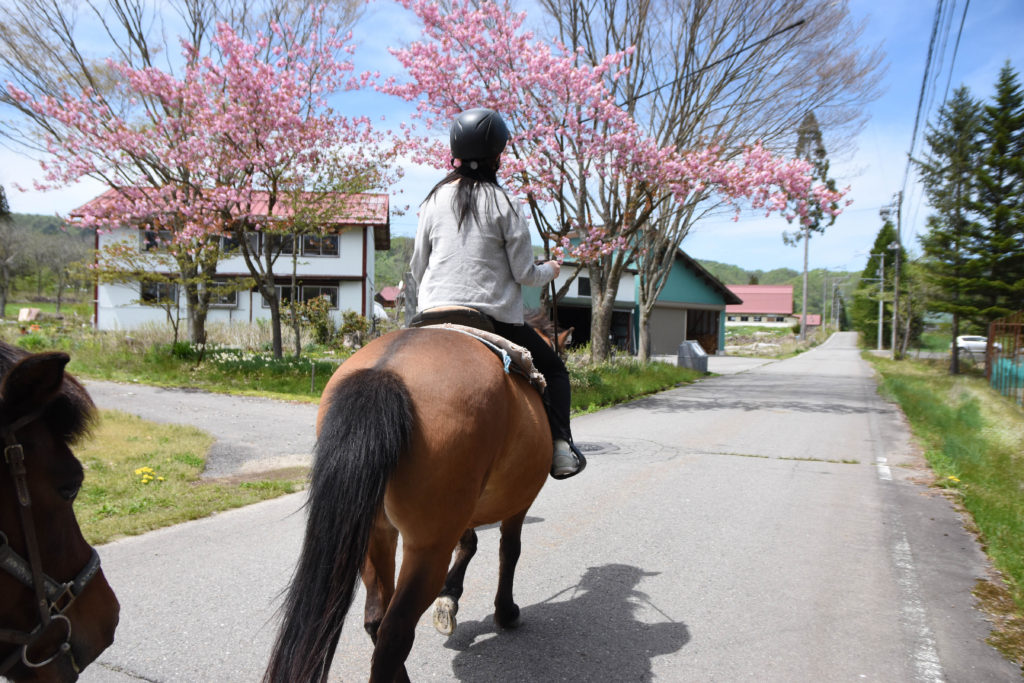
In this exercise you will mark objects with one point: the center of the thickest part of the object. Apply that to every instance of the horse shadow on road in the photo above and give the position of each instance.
(588, 632)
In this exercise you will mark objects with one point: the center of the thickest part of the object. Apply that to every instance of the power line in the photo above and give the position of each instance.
(924, 87)
(956, 48)
(785, 29)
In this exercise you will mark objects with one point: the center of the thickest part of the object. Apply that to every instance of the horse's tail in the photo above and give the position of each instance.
(366, 428)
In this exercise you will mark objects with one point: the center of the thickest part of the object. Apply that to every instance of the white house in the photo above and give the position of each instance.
(338, 264)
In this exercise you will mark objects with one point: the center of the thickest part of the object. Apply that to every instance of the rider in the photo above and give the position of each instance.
(473, 249)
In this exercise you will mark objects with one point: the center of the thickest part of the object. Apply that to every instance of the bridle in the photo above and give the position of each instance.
(52, 597)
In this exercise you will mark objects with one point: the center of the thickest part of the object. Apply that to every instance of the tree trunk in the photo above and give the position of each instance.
(275, 327)
(5, 283)
(600, 326)
(296, 327)
(803, 311)
(954, 361)
(643, 351)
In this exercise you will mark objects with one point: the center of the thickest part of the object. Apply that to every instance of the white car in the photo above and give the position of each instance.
(974, 344)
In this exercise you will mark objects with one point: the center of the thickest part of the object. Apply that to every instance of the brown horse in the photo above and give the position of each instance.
(57, 613)
(420, 434)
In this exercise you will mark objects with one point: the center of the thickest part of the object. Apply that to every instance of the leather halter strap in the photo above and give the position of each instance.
(52, 597)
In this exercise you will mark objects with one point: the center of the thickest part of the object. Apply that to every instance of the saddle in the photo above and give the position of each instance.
(473, 323)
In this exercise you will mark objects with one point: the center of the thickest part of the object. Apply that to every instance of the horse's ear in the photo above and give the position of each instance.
(565, 337)
(32, 383)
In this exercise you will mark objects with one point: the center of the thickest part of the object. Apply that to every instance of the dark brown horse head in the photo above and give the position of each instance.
(543, 325)
(58, 613)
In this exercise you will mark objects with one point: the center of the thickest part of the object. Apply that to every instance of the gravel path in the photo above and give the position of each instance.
(253, 434)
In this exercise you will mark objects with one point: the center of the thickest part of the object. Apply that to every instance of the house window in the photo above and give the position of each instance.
(158, 293)
(223, 295)
(313, 291)
(319, 245)
(757, 318)
(779, 319)
(155, 240)
(730, 318)
(229, 243)
(306, 292)
(583, 286)
(744, 318)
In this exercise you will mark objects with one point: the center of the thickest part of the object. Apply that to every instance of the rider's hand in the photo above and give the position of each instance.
(556, 266)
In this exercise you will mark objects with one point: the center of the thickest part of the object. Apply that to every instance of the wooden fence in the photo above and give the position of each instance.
(1005, 368)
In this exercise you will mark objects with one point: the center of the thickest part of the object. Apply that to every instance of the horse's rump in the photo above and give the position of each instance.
(421, 433)
(478, 434)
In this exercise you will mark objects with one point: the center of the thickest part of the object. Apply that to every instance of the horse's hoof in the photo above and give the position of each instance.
(444, 615)
(508, 618)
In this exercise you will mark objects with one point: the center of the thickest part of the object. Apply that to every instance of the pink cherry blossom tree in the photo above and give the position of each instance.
(591, 176)
(242, 143)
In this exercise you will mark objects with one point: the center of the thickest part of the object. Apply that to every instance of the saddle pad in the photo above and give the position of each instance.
(521, 359)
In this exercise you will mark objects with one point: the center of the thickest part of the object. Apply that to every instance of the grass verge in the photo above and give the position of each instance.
(140, 476)
(596, 386)
(972, 437)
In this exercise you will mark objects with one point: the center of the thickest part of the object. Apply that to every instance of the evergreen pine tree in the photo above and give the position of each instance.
(999, 204)
(863, 311)
(811, 148)
(948, 177)
(5, 209)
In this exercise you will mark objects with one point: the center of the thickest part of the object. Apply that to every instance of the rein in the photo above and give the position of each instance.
(52, 597)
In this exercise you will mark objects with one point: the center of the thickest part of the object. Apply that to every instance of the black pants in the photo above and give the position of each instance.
(551, 366)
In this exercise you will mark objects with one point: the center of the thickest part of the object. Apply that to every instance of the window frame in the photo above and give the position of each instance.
(173, 297)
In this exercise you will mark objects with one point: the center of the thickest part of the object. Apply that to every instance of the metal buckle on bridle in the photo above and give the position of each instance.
(63, 649)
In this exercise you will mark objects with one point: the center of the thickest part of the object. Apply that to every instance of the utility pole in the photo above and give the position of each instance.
(885, 212)
(881, 302)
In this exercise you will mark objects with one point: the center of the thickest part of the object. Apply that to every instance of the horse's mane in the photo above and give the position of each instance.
(539, 320)
(71, 414)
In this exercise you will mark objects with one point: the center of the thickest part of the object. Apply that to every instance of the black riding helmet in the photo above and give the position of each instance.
(478, 134)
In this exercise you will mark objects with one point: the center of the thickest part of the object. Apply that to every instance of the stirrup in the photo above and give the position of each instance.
(559, 471)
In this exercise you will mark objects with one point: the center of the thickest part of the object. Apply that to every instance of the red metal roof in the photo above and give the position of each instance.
(767, 299)
(368, 209)
(353, 209)
(813, 319)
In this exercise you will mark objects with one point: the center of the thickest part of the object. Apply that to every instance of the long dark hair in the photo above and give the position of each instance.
(471, 176)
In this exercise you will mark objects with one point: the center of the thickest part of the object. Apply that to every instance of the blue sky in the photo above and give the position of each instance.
(875, 171)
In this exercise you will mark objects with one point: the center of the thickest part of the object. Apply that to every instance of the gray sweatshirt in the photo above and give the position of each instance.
(483, 266)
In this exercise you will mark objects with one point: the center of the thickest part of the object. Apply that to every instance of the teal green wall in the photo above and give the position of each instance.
(684, 286)
(687, 287)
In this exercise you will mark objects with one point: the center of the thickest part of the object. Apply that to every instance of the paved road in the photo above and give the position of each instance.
(252, 434)
(767, 525)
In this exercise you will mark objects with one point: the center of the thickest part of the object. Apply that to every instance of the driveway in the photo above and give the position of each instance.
(252, 434)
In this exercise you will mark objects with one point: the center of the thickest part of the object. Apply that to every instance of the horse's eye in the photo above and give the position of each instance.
(70, 492)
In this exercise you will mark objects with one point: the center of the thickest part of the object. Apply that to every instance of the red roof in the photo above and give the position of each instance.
(388, 295)
(813, 319)
(353, 209)
(767, 299)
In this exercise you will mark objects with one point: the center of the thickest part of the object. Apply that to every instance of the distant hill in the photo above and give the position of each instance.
(390, 266)
(734, 275)
(48, 225)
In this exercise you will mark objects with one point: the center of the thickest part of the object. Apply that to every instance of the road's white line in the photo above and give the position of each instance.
(884, 472)
(927, 666)
(913, 615)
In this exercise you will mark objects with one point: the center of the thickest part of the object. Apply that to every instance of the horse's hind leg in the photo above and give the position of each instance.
(506, 611)
(379, 575)
(419, 581)
(447, 604)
